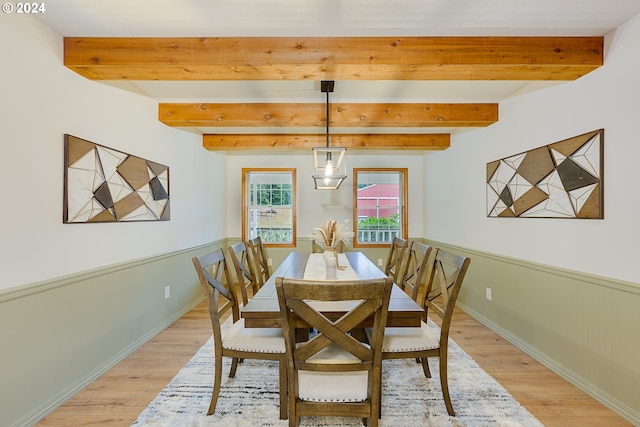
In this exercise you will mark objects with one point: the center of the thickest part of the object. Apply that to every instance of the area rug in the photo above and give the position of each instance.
(408, 398)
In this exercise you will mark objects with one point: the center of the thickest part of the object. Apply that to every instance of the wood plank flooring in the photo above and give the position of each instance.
(116, 398)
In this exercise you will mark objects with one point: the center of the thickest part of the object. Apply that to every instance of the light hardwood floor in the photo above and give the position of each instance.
(116, 398)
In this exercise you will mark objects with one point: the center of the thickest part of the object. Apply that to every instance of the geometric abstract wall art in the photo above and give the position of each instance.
(560, 180)
(106, 185)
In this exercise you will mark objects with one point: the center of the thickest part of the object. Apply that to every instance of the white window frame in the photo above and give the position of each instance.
(381, 237)
(252, 214)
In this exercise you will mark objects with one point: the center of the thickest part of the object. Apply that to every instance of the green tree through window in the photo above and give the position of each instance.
(269, 206)
(271, 195)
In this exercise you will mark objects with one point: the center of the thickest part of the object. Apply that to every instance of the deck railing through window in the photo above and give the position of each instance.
(273, 234)
(382, 236)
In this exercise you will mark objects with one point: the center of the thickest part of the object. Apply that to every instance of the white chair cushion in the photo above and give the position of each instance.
(409, 339)
(262, 340)
(333, 386)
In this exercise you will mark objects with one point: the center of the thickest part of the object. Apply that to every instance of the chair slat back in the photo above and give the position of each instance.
(261, 260)
(215, 282)
(443, 286)
(244, 266)
(395, 258)
(368, 298)
(415, 270)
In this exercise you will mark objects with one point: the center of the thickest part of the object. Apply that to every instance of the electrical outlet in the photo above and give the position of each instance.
(269, 261)
(379, 262)
(167, 292)
(488, 293)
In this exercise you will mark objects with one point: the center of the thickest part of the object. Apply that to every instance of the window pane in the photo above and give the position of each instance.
(380, 208)
(269, 212)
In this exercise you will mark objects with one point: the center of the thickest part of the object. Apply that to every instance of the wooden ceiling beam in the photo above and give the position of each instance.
(340, 114)
(334, 58)
(261, 142)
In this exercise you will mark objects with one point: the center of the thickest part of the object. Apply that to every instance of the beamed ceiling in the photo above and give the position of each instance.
(395, 90)
(316, 59)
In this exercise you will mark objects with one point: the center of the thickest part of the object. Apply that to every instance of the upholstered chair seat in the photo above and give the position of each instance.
(410, 339)
(317, 386)
(259, 340)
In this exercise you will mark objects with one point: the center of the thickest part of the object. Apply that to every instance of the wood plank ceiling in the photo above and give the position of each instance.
(331, 58)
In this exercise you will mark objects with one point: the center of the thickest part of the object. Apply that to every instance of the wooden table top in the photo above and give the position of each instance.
(263, 310)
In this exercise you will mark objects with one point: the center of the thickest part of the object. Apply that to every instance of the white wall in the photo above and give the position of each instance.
(40, 101)
(315, 206)
(607, 98)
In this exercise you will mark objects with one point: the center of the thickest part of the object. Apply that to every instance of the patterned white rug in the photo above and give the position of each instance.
(408, 398)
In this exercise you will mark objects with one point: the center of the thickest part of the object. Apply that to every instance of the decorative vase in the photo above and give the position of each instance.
(331, 264)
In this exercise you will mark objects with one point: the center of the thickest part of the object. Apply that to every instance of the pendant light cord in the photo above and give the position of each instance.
(327, 119)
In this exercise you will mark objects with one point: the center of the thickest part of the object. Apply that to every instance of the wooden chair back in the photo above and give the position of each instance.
(367, 299)
(415, 270)
(245, 269)
(395, 258)
(443, 287)
(216, 283)
(261, 261)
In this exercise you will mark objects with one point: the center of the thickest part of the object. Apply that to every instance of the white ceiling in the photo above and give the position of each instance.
(289, 18)
(286, 18)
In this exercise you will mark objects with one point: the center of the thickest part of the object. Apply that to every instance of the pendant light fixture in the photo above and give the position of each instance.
(329, 164)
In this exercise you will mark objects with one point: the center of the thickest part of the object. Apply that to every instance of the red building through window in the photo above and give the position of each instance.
(378, 201)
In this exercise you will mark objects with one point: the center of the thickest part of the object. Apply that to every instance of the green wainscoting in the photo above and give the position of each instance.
(585, 328)
(58, 336)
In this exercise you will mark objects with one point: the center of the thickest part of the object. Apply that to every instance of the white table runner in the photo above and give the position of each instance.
(315, 268)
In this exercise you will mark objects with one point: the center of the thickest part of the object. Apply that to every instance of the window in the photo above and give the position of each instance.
(269, 206)
(380, 201)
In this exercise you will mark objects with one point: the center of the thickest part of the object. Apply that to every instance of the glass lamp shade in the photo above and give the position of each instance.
(329, 167)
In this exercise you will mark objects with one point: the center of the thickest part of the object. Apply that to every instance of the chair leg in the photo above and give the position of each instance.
(376, 396)
(282, 367)
(294, 419)
(444, 384)
(425, 367)
(380, 403)
(376, 411)
(234, 367)
(217, 380)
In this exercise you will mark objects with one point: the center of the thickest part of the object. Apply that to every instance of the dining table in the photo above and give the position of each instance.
(263, 310)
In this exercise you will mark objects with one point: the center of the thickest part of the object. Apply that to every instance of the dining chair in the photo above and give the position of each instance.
(261, 261)
(414, 270)
(245, 268)
(443, 283)
(237, 342)
(395, 258)
(334, 374)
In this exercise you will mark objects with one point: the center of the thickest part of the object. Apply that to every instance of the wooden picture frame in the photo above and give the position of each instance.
(106, 185)
(559, 180)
